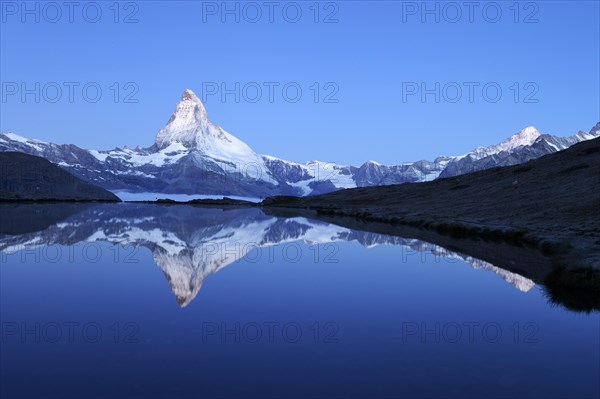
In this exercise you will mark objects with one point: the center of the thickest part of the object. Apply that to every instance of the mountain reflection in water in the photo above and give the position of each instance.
(189, 243)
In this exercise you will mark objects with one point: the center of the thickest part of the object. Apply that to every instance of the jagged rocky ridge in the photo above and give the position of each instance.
(192, 155)
(189, 243)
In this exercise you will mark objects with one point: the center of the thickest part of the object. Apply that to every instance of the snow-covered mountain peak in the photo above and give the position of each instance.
(593, 133)
(188, 94)
(187, 120)
(524, 137)
(15, 137)
(190, 127)
(190, 102)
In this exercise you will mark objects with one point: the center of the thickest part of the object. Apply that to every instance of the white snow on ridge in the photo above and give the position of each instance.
(303, 185)
(169, 154)
(323, 171)
(430, 176)
(140, 174)
(16, 137)
(318, 171)
(101, 156)
(525, 137)
(553, 146)
(34, 143)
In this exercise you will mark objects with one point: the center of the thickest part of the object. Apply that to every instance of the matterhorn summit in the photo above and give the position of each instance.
(188, 119)
(189, 126)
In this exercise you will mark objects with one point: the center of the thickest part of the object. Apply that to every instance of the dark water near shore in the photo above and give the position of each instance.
(135, 300)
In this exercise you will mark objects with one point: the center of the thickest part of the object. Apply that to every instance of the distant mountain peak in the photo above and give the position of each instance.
(595, 131)
(189, 118)
(592, 134)
(189, 100)
(188, 94)
(188, 109)
(16, 137)
(524, 137)
(189, 126)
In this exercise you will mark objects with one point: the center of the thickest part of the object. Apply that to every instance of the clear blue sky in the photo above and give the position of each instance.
(374, 54)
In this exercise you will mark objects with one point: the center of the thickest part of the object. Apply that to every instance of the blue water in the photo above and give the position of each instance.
(306, 309)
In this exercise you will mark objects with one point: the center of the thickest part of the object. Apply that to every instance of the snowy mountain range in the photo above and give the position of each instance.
(192, 155)
(189, 243)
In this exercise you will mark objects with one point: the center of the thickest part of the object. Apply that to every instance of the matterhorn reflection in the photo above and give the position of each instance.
(188, 243)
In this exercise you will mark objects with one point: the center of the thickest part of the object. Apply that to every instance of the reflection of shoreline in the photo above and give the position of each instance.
(189, 243)
(519, 259)
(574, 287)
(521, 283)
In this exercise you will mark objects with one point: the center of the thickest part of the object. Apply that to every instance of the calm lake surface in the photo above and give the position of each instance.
(132, 300)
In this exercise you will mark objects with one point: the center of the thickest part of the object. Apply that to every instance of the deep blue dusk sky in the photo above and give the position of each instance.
(543, 55)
